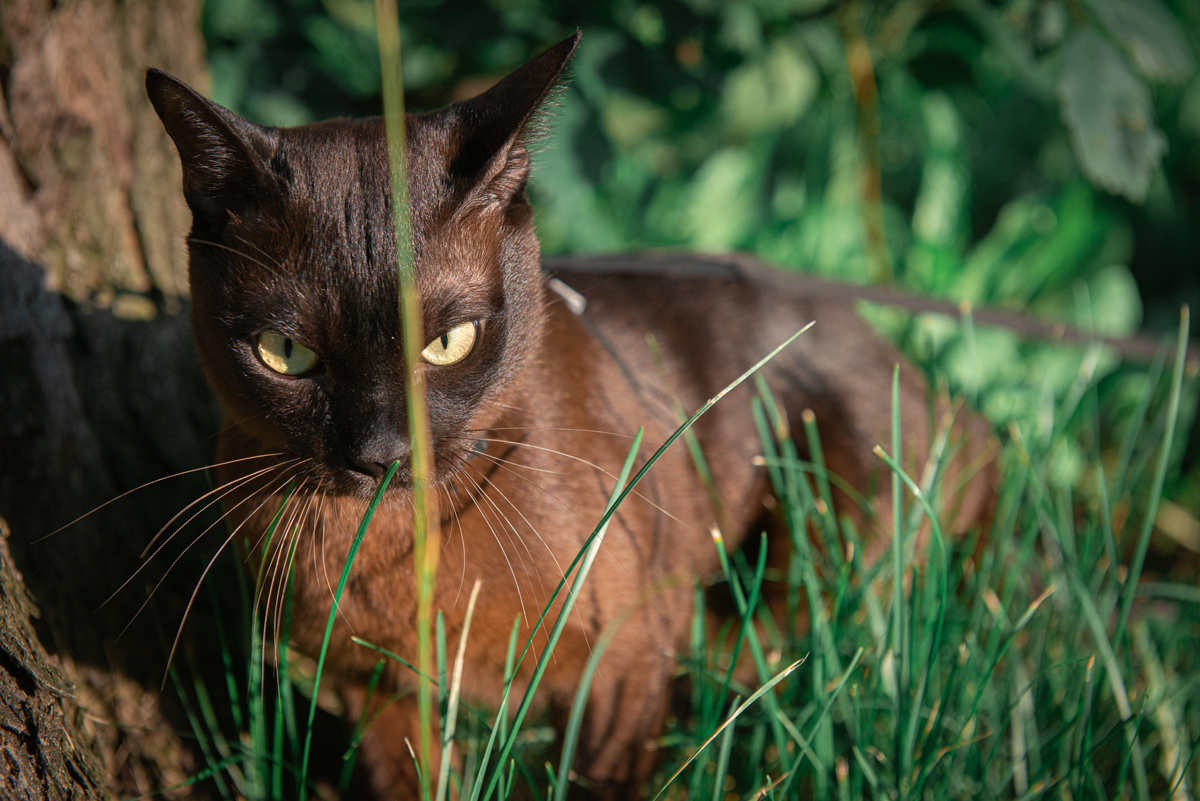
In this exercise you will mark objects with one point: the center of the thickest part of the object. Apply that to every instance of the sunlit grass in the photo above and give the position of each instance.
(1013, 678)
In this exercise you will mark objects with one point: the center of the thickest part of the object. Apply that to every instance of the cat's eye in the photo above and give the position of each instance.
(285, 356)
(451, 347)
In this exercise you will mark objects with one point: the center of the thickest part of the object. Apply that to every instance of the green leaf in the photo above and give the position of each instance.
(240, 20)
(349, 57)
(723, 201)
(1115, 305)
(1151, 34)
(771, 92)
(1108, 112)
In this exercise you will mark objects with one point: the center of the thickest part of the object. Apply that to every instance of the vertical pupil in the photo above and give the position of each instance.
(287, 348)
(445, 341)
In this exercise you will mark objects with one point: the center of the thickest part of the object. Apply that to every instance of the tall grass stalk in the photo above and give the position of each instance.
(899, 649)
(426, 521)
(1160, 475)
(451, 716)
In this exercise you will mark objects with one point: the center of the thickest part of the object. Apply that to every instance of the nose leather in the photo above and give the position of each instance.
(366, 466)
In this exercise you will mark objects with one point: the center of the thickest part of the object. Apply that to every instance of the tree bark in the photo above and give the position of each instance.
(43, 751)
(100, 392)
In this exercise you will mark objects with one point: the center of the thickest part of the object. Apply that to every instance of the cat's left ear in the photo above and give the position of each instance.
(224, 157)
(494, 128)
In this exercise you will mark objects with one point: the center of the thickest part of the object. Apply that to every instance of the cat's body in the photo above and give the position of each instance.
(292, 239)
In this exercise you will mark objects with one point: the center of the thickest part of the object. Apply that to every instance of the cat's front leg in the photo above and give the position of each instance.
(385, 749)
(627, 707)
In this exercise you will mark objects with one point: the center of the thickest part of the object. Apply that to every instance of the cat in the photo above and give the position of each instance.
(534, 387)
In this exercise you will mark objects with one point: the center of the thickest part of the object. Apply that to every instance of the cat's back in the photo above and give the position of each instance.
(718, 315)
(685, 326)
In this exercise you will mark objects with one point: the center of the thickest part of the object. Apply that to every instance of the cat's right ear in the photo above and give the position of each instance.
(495, 127)
(224, 157)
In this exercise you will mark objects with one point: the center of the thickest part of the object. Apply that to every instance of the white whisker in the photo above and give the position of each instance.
(187, 610)
(597, 467)
(150, 484)
(516, 582)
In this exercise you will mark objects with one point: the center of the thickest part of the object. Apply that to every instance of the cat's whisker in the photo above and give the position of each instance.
(561, 573)
(596, 467)
(226, 490)
(503, 465)
(279, 566)
(307, 524)
(514, 537)
(171, 567)
(192, 600)
(501, 460)
(509, 527)
(271, 556)
(510, 530)
(234, 251)
(532, 528)
(550, 428)
(510, 407)
(269, 611)
(312, 542)
(303, 471)
(282, 570)
(230, 485)
(264, 253)
(150, 484)
(484, 517)
(325, 569)
(445, 489)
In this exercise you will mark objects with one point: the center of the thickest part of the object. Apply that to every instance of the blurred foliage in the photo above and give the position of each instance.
(1019, 146)
(1039, 155)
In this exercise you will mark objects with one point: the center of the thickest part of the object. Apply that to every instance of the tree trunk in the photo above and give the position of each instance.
(100, 392)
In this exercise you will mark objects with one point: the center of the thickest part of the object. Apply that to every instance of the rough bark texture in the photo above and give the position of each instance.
(99, 393)
(44, 753)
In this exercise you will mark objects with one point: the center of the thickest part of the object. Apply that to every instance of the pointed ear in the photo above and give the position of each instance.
(224, 157)
(493, 155)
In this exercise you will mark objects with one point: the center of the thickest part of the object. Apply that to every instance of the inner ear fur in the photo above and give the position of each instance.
(224, 156)
(494, 128)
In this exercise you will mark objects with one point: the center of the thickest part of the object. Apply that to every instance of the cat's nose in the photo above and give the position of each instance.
(366, 466)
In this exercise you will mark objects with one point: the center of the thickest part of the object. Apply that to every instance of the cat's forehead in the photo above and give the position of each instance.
(329, 243)
(340, 168)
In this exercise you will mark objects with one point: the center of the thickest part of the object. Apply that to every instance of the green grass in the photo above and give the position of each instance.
(1025, 667)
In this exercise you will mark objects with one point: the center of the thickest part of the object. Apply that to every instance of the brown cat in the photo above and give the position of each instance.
(532, 403)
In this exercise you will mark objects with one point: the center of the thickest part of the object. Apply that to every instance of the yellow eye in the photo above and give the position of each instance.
(451, 347)
(285, 356)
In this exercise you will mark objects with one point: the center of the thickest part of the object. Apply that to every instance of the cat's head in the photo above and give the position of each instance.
(293, 270)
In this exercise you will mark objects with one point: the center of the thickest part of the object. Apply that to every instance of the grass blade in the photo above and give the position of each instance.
(723, 759)
(337, 597)
(1160, 475)
(451, 714)
(783, 674)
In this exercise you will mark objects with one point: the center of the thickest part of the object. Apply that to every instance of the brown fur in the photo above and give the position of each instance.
(292, 234)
